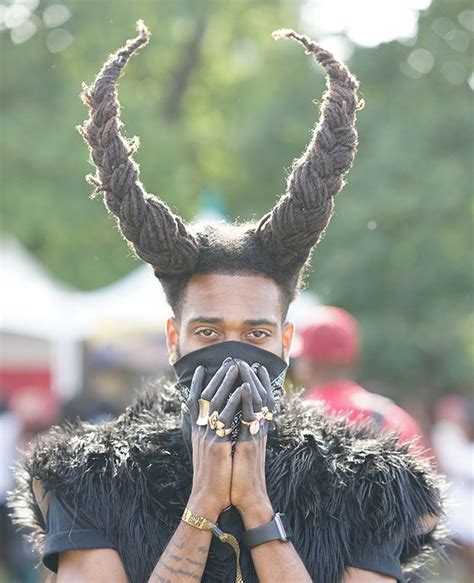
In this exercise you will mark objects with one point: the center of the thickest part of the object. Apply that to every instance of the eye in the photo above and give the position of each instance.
(260, 334)
(206, 332)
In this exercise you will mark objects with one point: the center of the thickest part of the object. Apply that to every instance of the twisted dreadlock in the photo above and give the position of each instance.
(300, 217)
(279, 245)
(156, 234)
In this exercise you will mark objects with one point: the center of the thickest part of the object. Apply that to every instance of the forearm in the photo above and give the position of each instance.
(274, 560)
(184, 559)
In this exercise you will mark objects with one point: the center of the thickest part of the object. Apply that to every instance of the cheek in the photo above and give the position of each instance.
(273, 344)
(188, 342)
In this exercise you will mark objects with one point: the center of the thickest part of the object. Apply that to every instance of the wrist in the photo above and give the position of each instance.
(256, 513)
(204, 507)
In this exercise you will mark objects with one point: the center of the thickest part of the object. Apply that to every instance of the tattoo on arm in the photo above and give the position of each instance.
(197, 563)
(159, 578)
(174, 565)
(184, 572)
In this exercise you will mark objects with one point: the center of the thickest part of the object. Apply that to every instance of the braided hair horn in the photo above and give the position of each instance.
(298, 220)
(152, 231)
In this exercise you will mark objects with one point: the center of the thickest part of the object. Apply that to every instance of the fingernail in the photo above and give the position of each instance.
(227, 360)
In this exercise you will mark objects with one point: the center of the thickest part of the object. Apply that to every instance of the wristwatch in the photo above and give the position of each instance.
(276, 529)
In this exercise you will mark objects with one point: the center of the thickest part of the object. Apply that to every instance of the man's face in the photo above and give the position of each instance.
(219, 308)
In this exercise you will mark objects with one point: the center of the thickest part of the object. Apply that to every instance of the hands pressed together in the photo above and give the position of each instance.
(221, 476)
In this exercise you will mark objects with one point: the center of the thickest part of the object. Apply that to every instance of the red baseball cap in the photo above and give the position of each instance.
(331, 336)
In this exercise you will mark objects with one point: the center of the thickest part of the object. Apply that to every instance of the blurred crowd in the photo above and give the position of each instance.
(324, 362)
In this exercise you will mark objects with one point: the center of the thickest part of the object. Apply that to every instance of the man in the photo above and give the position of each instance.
(327, 354)
(162, 497)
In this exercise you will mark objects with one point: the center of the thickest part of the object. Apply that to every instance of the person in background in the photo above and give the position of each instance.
(23, 416)
(453, 444)
(10, 429)
(326, 357)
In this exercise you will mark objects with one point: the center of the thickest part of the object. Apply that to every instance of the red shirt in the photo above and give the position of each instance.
(357, 403)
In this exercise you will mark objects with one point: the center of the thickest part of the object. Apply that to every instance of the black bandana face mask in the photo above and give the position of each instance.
(212, 357)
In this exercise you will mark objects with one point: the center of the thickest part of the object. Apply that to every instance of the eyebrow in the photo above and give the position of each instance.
(261, 322)
(206, 320)
(214, 320)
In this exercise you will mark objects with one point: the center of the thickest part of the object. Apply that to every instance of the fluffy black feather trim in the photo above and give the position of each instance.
(342, 486)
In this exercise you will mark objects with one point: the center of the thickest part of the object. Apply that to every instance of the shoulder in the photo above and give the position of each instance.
(140, 431)
(87, 463)
(377, 488)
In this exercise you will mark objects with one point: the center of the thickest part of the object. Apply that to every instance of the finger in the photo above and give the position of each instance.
(216, 380)
(247, 405)
(256, 399)
(250, 423)
(223, 392)
(249, 376)
(196, 388)
(267, 383)
(231, 407)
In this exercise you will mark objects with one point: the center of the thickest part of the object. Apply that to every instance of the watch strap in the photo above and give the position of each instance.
(274, 530)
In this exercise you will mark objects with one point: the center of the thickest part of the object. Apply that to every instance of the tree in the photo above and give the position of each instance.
(220, 106)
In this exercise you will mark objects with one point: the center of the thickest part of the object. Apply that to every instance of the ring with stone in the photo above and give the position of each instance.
(223, 431)
(213, 420)
(254, 426)
(267, 414)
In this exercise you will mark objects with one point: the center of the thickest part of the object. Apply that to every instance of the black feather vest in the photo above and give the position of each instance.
(341, 486)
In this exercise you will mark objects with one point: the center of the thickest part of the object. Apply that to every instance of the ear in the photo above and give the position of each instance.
(172, 339)
(288, 334)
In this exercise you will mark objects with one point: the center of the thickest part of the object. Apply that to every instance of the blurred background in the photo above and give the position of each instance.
(221, 111)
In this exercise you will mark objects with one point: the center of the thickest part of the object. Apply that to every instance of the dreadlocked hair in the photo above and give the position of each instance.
(156, 234)
(277, 246)
(300, 217)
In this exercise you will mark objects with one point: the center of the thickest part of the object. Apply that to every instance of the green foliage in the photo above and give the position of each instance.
(409, 279)
(397, 251)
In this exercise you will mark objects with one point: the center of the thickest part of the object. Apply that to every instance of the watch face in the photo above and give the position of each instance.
(280, 526)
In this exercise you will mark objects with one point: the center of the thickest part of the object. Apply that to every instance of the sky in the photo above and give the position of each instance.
(339, 23)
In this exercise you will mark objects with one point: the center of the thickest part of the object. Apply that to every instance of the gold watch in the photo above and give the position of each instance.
(202, 523)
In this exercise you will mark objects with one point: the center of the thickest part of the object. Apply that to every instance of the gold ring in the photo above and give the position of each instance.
(268, 415)
(203, 412)
(223, 432)
(213, 420)
(254, 426)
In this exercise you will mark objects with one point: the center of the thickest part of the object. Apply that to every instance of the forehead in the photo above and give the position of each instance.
(231, 297)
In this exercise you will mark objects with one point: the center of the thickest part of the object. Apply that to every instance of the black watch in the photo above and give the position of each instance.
(276, 529)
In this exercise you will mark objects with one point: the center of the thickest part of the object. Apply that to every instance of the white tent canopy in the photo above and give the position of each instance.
(34, 304)
(135, 301)
(31, 300)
